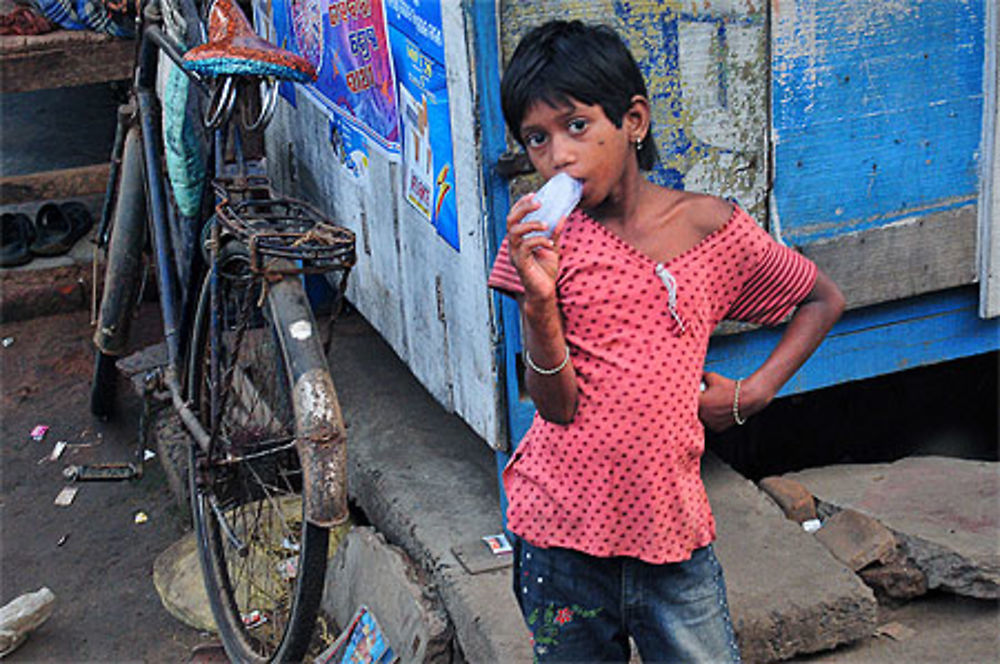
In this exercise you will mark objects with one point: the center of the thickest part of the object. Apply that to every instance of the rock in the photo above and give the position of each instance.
(950, 570)
(856, 540)
(896, 631)
(368, 571)
(793, 498)
(943, 512)
(178, 581)
(899, 578)
(788, 596)
(22, 615)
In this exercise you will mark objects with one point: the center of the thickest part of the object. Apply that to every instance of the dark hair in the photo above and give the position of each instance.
(563, 59)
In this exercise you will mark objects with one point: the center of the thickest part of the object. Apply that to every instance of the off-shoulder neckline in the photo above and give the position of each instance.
(697, 247)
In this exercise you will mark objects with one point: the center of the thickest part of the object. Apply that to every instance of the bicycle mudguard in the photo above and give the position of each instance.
(320, 435)
(123, 274)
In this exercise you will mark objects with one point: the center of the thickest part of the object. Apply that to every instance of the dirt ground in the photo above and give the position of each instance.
(92, 554)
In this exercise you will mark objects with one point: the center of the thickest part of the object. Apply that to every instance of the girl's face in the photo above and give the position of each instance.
(580, 140)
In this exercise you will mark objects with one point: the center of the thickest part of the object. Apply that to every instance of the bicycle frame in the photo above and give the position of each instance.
(322, 443)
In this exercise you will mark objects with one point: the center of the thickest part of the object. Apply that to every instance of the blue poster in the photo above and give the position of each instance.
(347, 43)
(417, 44)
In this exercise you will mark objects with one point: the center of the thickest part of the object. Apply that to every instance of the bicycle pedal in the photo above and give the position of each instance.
(104, 472)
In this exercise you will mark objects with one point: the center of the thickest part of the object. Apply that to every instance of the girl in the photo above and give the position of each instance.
(605, 494)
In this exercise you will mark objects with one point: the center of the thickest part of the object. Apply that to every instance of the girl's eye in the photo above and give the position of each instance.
(534, 140)
(577, 126)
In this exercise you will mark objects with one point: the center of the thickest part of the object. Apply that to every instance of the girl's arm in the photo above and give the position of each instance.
(552, 382)
(554, 392)
(812, 320)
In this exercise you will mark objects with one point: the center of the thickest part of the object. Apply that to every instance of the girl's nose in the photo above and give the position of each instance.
(562, 151)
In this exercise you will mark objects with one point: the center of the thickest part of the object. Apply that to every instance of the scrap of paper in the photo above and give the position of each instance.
(498, 544)
(66, 496)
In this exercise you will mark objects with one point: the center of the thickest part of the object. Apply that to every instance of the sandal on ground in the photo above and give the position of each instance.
(16, 234)
(59, 226)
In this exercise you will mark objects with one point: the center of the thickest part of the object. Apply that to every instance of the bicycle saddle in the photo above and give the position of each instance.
(233, 48)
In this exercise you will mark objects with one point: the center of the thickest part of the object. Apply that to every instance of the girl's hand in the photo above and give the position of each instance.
(536, 258)
(715, 405)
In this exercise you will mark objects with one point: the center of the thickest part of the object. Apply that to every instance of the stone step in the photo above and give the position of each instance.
(788, 595)
(942, 511)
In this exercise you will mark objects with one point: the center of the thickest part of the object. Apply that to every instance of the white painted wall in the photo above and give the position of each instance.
(429, 301)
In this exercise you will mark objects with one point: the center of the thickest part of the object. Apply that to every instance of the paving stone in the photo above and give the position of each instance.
(787, 594)
(943, 511)
(856, 540)
(427, 482)
(793, 498)
(367, 571)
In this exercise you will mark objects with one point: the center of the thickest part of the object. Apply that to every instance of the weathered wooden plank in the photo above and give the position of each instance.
(61, 59)
(425, 296)
(64, 183)
(876, 111)
(903, 259)
(989, 191)
(872, 342)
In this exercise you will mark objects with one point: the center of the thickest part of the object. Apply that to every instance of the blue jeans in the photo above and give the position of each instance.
(581, 608)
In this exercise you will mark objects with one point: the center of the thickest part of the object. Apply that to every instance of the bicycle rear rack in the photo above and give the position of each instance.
(281, 228)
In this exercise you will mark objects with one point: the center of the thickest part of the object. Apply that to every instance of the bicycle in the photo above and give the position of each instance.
(245, 371)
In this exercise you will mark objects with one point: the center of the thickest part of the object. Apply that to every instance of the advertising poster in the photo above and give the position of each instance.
(418, 57)
(347, 43)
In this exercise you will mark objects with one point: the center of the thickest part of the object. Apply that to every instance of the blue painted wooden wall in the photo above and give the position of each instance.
(877, 111)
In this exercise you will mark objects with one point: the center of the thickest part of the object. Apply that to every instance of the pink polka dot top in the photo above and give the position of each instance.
(624, 477)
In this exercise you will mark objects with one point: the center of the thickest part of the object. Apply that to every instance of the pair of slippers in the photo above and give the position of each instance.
(56, 228)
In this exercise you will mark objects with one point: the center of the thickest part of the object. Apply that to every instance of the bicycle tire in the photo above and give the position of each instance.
(122, 276)
(252, 476)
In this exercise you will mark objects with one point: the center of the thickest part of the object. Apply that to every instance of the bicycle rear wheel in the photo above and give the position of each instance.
(263, 563)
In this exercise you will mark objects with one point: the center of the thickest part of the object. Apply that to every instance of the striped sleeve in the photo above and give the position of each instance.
(777, 279)
(503, 276)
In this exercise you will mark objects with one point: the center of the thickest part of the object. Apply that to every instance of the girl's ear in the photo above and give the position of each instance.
(636, 121)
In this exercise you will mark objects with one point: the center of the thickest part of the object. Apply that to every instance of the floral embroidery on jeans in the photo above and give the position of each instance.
(545, 625)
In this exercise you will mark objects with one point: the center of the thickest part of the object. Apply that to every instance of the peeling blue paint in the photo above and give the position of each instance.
(877, 113)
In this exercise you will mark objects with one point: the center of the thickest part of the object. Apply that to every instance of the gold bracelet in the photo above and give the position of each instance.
(736, 404)
(546, 372)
